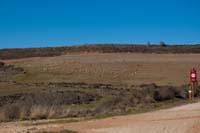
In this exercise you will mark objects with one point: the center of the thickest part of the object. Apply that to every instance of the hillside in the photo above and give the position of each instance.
(81, 86)
(100, 48)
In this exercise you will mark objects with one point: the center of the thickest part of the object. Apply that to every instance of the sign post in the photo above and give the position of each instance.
(193, 80)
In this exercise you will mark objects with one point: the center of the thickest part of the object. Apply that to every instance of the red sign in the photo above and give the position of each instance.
(193, 75)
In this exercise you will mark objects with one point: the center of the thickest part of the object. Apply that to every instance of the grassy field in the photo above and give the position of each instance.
(117, 69)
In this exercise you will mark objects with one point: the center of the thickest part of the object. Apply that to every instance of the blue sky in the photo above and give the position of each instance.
(41, 23)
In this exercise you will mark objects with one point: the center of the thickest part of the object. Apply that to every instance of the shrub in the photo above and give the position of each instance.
(12, 112)
(162, 44)
(2, 64)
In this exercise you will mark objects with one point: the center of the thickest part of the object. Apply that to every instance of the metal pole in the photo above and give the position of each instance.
(192, 90)
(190, 93)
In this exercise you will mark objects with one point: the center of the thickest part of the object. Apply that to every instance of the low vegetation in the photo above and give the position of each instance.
(103, 48)
(10, 69)
(73, 100)
(65, 131)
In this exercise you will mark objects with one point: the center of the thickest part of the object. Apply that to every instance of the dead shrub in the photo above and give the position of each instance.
(2, 64)
(181, 92)
(164, 93)
(25, 112)
(2, 116)
(38, 112)
(12, 112)
(149, 86)
(108, 104)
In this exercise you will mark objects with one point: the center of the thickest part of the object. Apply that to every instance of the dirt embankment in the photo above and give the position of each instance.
(66, 100)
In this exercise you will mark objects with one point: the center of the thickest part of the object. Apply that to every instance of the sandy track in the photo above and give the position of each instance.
(183, 119)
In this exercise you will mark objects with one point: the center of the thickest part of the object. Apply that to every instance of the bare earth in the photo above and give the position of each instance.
(183, 119)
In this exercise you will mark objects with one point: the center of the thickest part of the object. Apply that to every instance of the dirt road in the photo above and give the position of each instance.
(183, 119)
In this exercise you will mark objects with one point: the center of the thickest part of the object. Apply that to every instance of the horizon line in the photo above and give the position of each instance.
(88, 44)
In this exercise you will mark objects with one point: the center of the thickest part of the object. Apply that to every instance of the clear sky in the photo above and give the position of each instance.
(40, 23)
